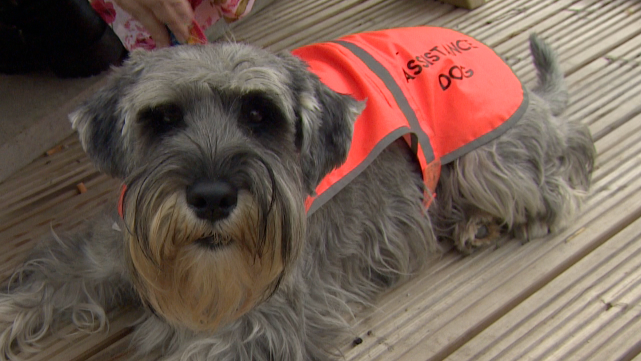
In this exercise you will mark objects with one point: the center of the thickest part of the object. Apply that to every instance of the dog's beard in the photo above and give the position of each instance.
(200, 275)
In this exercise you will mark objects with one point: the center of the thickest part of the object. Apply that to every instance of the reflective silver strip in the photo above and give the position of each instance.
(379, 70)
(493, 134)
(338, 186)
(417, 133)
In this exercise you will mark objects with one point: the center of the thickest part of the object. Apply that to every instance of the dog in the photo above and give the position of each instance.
(227, 239)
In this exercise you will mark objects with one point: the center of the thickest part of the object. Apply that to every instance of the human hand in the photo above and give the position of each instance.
(155, 14)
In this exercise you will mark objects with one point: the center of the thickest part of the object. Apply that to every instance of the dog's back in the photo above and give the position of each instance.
(446, 93)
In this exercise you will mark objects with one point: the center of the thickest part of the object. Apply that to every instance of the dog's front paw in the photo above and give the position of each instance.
(479, 231)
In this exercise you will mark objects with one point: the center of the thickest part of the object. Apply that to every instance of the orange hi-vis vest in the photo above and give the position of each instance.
(444, 92)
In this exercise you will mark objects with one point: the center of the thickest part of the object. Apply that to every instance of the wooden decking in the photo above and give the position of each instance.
(574, 296)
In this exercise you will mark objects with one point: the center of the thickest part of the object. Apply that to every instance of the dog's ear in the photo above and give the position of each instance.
(100, 121)
(324, 123)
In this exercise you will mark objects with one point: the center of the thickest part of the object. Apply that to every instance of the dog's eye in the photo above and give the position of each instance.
(259, 114)
(254, 116)
(164, 113)
(161, 119)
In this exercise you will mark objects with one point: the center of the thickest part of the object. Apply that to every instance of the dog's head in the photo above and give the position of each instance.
(219, 146)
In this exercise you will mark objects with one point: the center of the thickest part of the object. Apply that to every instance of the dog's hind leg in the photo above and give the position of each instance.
(529, 181)
(480, 230)
(468, 208)
(67, 280)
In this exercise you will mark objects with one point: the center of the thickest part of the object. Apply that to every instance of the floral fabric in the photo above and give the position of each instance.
(207, 12)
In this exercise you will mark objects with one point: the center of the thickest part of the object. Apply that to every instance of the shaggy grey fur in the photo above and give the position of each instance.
(373, 234)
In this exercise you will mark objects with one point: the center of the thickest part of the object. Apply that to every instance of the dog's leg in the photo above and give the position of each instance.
(480, 230)
(519, 184)
(67, 280)
(464, 212)
(528, 182)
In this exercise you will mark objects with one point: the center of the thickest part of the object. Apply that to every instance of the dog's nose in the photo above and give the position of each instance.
(212, 201)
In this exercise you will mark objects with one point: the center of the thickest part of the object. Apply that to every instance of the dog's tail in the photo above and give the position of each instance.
(551, 86)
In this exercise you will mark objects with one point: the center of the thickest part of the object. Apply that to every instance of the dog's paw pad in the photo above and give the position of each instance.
(482, 232)
(478, 233)
(485, 235)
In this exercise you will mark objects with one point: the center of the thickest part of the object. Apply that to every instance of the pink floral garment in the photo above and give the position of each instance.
(207, 12)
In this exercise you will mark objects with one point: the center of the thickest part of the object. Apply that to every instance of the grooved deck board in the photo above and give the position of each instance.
(587, 308)
(573, 296)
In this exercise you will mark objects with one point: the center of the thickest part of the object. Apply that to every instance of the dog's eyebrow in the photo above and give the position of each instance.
(240, 63)
(234, 94)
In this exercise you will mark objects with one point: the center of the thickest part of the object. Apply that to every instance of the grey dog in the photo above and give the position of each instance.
(220, 146)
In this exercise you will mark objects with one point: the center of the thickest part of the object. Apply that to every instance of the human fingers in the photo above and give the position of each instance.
(155, 27)
(178, 16)
(155, 14)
